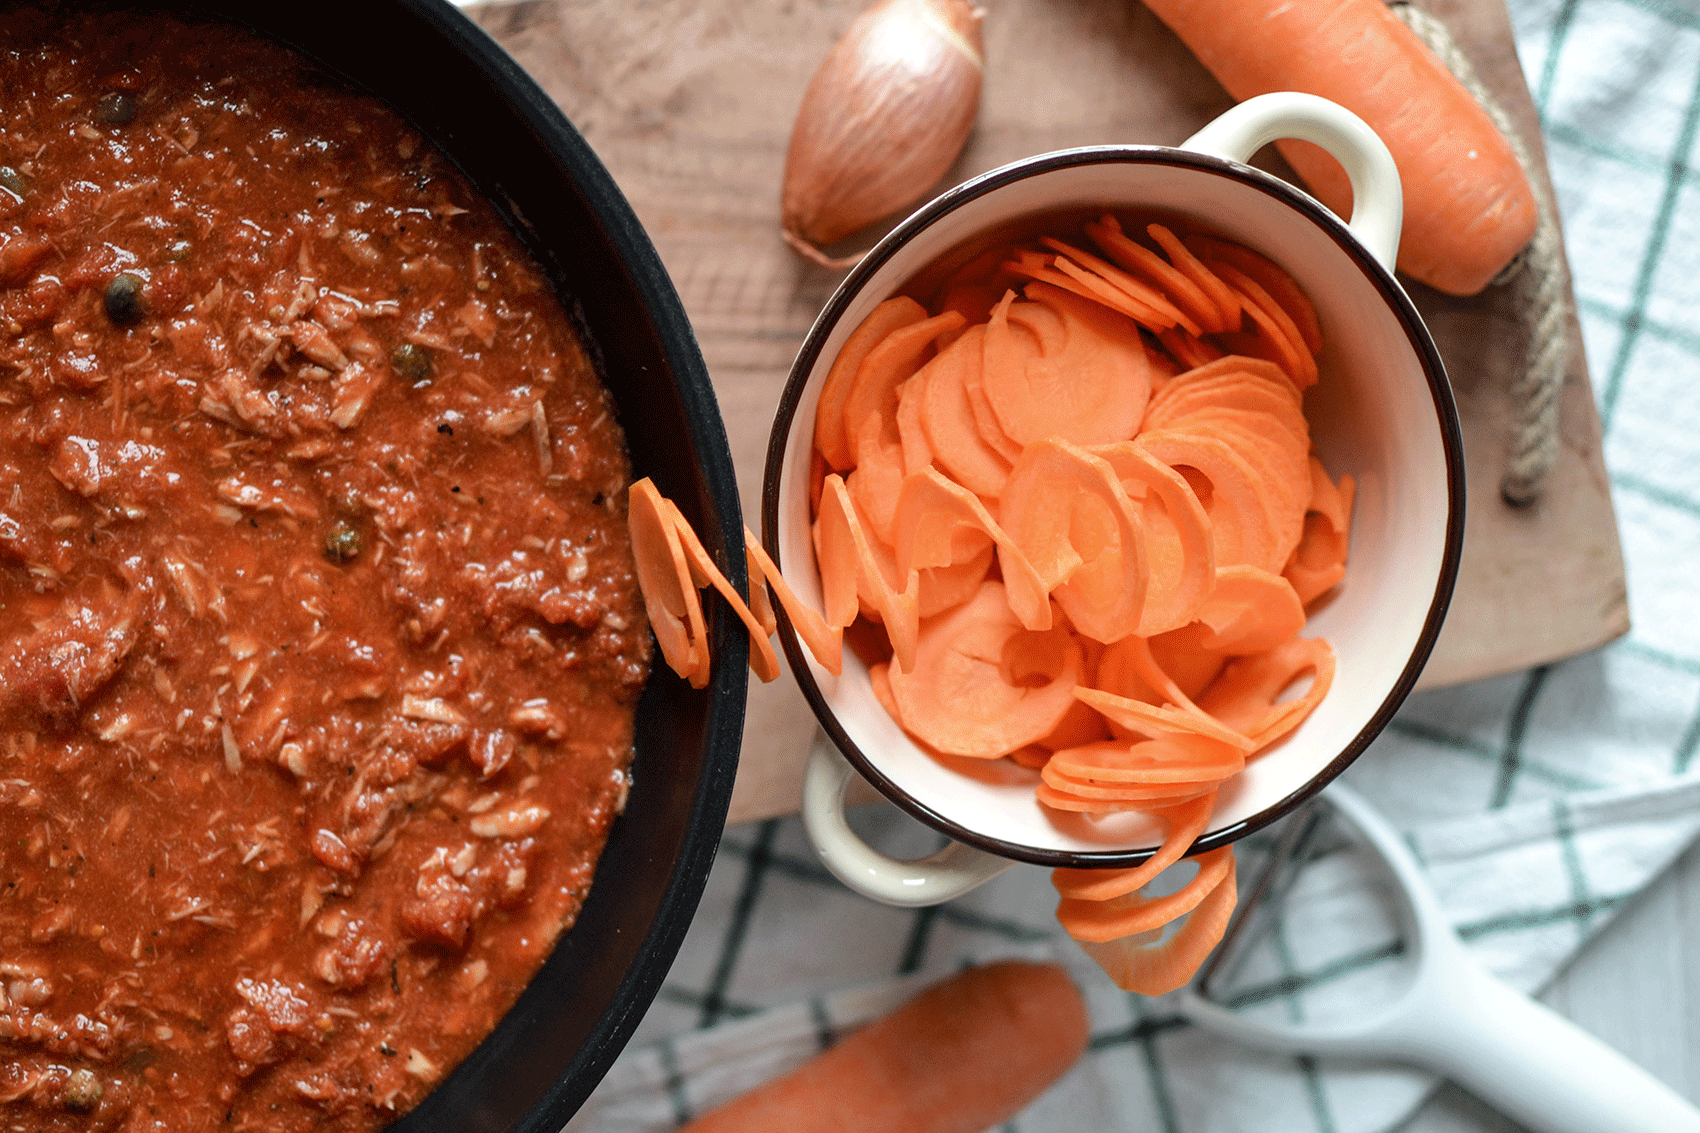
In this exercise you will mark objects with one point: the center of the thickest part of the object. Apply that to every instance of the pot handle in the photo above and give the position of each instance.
(1377, 200)
(939, 877)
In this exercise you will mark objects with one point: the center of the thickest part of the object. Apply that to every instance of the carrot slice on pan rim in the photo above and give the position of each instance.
(664, 577)
(764, 662)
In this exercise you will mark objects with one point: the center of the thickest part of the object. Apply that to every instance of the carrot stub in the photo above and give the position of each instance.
(1468, 205)
(964, 1055)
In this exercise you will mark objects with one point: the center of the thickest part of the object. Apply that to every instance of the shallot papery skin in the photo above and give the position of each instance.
(884, 116)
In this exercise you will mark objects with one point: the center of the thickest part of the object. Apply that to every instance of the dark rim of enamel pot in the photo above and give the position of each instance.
(1422, 346)
(463, 92)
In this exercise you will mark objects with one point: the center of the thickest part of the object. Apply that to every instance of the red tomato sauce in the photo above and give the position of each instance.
(319, 635)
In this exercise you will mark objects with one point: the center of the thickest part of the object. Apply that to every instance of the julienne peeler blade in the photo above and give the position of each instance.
(1258, 911)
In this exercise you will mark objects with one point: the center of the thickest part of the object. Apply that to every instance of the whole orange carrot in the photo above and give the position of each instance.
(1468, 205)
(964, 1055)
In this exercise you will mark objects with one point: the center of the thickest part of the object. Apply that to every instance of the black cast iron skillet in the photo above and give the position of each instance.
(466, 95)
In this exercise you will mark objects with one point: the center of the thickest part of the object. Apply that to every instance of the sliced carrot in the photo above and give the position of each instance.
(664, 577)
(879, 679)
(835, 552)
(764, 662)
(878, 476)
(1184, 823)
(1163, 722)
(1142, 293)
(1274, 321)
(1180, 654)
(1061, 791)
(1271, 278)
(847, 545)
(1183, 662)
(831, 441)
(983, 686)
(932, 515)
(1032, 757)
(1152, 674)
(985, 419)
(950, 585)
(1070, 276)
(1172, 759)
(1150, 491)
(1068, 513)
(912, 441)
(972, 290)
(1186, 349)
(1057, 365)
(822, 640)
(1159, 967)
(1179, 554)
(1310, 580)
(1131, 913)
(1277, 463)
(1245, 696)
(1029, 263)
(1189, 265)
(939, 522)
(1318, 563)
(1251, 385)
(1243, 519)
(761, 605)
(888, 365)
(1148, 265)
(1163, 364)
(948, 420)
(1250, 611)
(817, 477)
(1080, 725)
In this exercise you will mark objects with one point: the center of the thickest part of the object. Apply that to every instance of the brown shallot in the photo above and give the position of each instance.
(884, 116)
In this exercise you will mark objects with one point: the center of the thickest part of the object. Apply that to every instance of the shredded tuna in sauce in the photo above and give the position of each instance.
(319, 637)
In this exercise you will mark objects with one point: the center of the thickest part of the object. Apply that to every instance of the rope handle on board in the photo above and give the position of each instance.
(1542, 290)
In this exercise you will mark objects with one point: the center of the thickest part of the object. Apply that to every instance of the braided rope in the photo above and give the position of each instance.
(1542, 291)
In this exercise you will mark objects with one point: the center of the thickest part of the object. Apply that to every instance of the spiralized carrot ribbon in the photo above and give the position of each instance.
(1147, 966)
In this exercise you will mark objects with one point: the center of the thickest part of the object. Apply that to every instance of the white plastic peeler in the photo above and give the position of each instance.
(1456, 1019)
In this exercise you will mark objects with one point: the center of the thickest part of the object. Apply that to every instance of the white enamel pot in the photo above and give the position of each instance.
(1382, 412)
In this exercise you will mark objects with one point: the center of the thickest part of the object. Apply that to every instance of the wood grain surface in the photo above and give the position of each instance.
(690, 102)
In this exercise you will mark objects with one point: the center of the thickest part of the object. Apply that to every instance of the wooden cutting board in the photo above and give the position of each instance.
(690, 102)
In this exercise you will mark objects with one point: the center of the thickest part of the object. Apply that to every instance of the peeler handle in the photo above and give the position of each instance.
(1534, 1064)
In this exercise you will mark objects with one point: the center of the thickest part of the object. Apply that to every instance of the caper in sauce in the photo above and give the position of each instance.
(115, 108)
(411, 361)
(123, 299)
(82, 1091)
(342, 542)
(13, 181)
